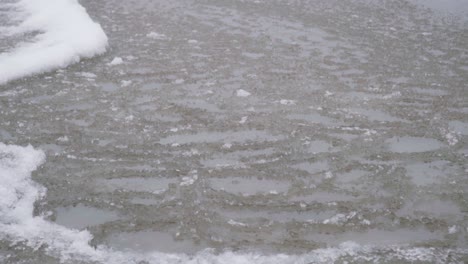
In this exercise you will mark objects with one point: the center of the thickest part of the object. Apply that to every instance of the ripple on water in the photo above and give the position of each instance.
(211, 137)
(149, 241)
(248, 216)
(82, 216)
(350, 176)
(377, 115)
(323, 197)
(109, 87)
(137, 184)
(378, 237)
(315, 118)
(312, 167)
(427, 173)
(413, 144)
(431, 208)
(249, 186)
(459, 127)
(320, 146)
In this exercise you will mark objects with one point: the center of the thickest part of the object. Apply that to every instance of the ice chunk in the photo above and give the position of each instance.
(242, 93)
(287, 102)
(116, 61)
(155, 35)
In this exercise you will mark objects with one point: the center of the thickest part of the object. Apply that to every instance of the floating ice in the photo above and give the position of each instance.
(452, 229)
(227, 146)
(186, 181)
(155, 35)
(116, 61)
(67, 34)
(88, 75)
(179, 81)
(287, 102)
(243, 120)
(242, 93)
(125, 83)
(408, 144)
(328, 175)
(339, 219)
(235, 223)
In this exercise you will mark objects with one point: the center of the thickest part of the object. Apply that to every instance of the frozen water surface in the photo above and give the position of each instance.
(413, 144)
(249, 186)
(136, 184)
(82, 216)
(235, 131)
(147, 241)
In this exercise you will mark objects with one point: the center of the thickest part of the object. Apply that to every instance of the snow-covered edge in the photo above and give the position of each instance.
(18, 224)
(67, 34)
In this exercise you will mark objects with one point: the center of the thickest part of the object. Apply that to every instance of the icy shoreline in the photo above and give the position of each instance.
(17, 224)
(67, 34)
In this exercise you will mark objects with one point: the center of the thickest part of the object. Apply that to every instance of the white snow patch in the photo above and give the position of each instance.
(88, 75)
(328, 175)
(367, 132)
(191, 153)
(243, 120)
(189, 180)
(242, 93)
(63, 139)
(365, 222)
(227, 146)
(67, 34)
(336, 219)
(287, 102)
(116, 61)
(339, 218)
(155, 35)
(235, 223)
(450, 136)
(179, 81)
(452, 229)
(125, 83)
(392, 95)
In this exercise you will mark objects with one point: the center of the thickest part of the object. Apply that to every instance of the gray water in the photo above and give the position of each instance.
(354, 127)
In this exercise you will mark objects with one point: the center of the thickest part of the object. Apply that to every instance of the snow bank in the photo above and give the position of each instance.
(67, 34)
